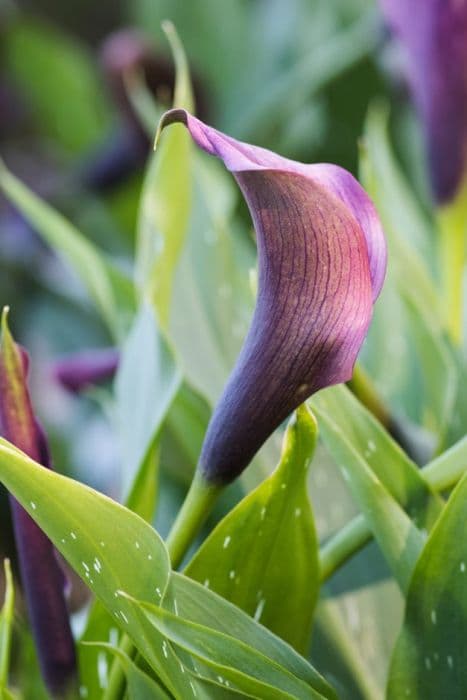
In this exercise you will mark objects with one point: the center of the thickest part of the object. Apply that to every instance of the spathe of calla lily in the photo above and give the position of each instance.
(80, 370)
(42, 579)
(322, 260)
(434, 36)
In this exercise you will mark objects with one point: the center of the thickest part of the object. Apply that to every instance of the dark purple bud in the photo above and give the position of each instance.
(42, 579)
(434, 36)
(322, 260)
(83, 369)
(123, 154)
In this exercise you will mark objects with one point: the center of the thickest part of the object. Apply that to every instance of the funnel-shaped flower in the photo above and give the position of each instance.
(81, 370)
(434, 36)
(42, 579)
(322, 259)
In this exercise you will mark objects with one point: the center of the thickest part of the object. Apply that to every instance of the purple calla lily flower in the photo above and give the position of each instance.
(42, 579)
(322, 261)
(434, 36)
(83, 369)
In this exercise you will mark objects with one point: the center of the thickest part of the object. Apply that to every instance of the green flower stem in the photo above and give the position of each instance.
(441, 474)
(5, 630)
(343, 545)
(196, 508)
(363, 388)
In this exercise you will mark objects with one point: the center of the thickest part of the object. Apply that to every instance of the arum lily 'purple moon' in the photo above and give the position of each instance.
(42, 579)
(322, 260)
(434, 36)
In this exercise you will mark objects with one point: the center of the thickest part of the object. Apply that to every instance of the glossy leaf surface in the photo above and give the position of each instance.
(263, 555)
(430, 659)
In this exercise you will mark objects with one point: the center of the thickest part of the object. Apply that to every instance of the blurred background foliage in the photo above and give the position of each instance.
(306, 78)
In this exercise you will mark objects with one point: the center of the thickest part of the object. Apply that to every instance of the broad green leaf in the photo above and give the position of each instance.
(109, 546)
(440, 474)
(399, 538)
(358, 429)
(278, 581)
(197, 603)
(424, 320)
(6, 627)
(106, 285)
(165, 202)
(430, 658)
(139, 685)
(147, 381)
(235, 662)
(59, 81)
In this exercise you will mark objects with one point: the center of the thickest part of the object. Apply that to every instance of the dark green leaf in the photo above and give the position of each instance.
(430, 659)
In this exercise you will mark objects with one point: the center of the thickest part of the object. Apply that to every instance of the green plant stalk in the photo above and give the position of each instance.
(452, 224)
(441, 474)
(5, 640)
(195, 509)
(363, 388)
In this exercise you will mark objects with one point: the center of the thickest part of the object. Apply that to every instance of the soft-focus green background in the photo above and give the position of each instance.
(297, 77)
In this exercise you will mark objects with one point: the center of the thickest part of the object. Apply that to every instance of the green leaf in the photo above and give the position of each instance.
(139, 685)
(198, 604)
(166, 199)
(357, 429)
(58, 79)
(100, 627)
(424, 319)
(183, 433)
(437, 364)
(430, 658)
(110, 547)
(106, 285)
(376, 485)
(233, 661)
(147, 381)
(6, 627)
(278, 581)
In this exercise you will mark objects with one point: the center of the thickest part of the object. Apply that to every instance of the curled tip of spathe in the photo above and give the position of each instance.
(172, 116)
